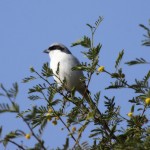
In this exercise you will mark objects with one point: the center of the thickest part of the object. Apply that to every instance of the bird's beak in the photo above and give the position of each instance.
(46, 51)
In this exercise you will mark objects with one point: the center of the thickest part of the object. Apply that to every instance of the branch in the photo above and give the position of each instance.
(19, 146)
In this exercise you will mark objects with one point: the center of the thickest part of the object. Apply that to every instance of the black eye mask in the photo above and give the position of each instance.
(58, 47)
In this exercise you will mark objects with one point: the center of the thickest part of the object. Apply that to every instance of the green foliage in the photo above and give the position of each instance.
(85, 145)
(46, 71)
(39, 117)
(8, 108)
(137, 61)
(1, 130)
(119, 58)
(85, 42)
(66, 145)
(146, 78)
(75, 113)
(94, 28)
(34, 97)
(28, 79)
(11, 93)
(97, 98)
(117, 84)
(146, 42)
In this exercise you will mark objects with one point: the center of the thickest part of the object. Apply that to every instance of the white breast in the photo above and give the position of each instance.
(66, 62)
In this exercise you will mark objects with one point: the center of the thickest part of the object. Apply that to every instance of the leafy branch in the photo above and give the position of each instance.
(137, 61)
(76, 113)
(146, 42)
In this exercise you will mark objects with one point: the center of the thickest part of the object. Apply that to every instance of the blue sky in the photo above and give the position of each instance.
(28, 27)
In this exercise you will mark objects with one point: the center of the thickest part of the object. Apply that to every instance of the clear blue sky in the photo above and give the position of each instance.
(28, 27)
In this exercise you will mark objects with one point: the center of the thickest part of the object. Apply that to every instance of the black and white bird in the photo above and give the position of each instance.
(62, 57)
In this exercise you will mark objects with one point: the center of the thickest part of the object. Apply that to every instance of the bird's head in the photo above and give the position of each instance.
(57, 47)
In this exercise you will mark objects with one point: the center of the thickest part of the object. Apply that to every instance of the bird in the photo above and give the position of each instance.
(63, 60)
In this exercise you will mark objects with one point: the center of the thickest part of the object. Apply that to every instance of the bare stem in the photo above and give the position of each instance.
(34, 135)
(19, 146)
(62, 121)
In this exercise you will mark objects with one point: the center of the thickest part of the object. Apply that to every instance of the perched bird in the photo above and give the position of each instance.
(62, 59)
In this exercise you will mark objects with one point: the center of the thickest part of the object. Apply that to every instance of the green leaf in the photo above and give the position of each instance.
(32, 69)
(85, 42)
(93, 54)
(55, 102)
(1, 130)
(113, 130)
(146, 78)
(6, 108)
(119, 58)
(97, 23)
(57, 71)
(12, 92)
(43, 124)
(90, 115)
(115, 75)
(82, 67)
(28, 79)
(85, 146)
(78, 42)
(117, 84)
(137, 61)
(5, 142)
(109, 103)
(51, 93)
(82, 128)
(13, 135)
(96, 132)
(91, 27)
(15, 107)
(37, 88)
(41, 121)
(96, 50)
(144, 27)
(28, 114)
(132, 108)
(46, 71)
(66, 145)
(146, 42)
(140, 109)
(97, 97)
(34, 97)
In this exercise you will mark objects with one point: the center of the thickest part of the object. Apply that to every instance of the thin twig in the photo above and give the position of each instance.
(62, 121)
(41, 143)
(19, 146)
(129, 86)
(144, 110)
